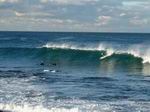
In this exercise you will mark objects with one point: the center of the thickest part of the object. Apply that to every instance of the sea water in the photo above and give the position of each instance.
(74, 72)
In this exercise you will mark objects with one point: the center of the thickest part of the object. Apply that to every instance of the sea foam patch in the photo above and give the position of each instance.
(81, 106)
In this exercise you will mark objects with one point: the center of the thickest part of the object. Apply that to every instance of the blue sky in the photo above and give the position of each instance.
(75, 15)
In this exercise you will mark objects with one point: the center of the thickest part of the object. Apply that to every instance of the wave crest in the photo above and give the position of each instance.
(73, 46)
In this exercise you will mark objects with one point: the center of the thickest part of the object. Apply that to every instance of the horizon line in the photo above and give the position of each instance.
(71, 32)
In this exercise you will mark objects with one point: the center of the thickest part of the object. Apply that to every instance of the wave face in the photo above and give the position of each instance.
(106, 50)
(71, 55)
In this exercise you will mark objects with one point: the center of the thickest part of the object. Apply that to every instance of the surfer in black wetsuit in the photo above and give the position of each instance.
(54, 64)
(42, 63)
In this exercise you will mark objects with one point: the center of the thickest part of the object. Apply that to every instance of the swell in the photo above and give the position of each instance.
(69, 55)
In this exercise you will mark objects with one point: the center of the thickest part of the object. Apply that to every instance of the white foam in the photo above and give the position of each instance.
(53, 71)
(76, 108)
(46, 70)
(141, 52)
(81, 106)
(73, 46)
(109, 52)
(26, 108)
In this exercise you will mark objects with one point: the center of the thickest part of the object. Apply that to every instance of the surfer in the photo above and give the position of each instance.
(42, 63)
(54, 64)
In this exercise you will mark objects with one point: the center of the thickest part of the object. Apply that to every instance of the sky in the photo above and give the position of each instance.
(75, 15)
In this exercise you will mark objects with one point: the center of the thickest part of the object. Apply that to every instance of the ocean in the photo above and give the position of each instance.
(74, 72)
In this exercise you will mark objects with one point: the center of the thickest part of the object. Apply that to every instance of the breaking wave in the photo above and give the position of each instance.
(137, 51)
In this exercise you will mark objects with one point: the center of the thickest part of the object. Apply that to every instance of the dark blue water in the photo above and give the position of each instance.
(74, 72)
